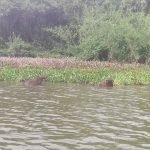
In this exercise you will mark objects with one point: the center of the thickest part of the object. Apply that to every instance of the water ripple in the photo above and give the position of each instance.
(66, 116)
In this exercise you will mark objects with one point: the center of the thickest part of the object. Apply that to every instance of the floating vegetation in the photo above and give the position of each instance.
(73, 71)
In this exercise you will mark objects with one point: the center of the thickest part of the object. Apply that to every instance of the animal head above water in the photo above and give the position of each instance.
(109, 82)
(106, 83)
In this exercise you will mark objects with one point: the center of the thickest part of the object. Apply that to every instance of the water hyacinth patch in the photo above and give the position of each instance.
(73, 70)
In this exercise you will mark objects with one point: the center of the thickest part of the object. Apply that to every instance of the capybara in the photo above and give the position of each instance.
(106, 83)
(37, 81)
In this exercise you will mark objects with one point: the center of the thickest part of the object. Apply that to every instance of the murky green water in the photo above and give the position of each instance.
(74, 117)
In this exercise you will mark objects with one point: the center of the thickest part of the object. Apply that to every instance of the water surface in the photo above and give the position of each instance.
(74, 117)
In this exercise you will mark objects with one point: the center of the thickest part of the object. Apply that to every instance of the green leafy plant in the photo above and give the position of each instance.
(17, 47)
(122, 37)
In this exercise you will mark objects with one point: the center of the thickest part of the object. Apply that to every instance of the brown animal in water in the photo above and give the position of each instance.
(37, 81)
(106, 83)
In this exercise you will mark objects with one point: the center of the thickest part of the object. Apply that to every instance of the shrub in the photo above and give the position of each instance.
(18, 48)
(64, 38)
(2, 43)
(118, 36)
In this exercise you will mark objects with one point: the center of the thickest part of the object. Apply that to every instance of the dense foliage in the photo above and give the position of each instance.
(114, 30)
(115, 36)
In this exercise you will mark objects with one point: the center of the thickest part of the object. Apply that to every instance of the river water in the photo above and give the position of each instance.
(74, 117)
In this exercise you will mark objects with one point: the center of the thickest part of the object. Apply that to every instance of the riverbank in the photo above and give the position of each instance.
(73, 71)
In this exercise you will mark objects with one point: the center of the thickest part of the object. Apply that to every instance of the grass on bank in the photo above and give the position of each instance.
(122, 76)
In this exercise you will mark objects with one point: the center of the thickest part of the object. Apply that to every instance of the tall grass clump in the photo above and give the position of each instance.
(115, 36)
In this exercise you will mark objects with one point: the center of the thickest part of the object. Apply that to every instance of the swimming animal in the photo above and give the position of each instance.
(34, 82)
(106, 83)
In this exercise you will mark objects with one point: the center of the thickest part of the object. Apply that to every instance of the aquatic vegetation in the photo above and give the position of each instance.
(61, 63)
(74, 71)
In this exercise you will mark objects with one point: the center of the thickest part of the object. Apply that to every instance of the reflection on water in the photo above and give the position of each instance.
(65, 117)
